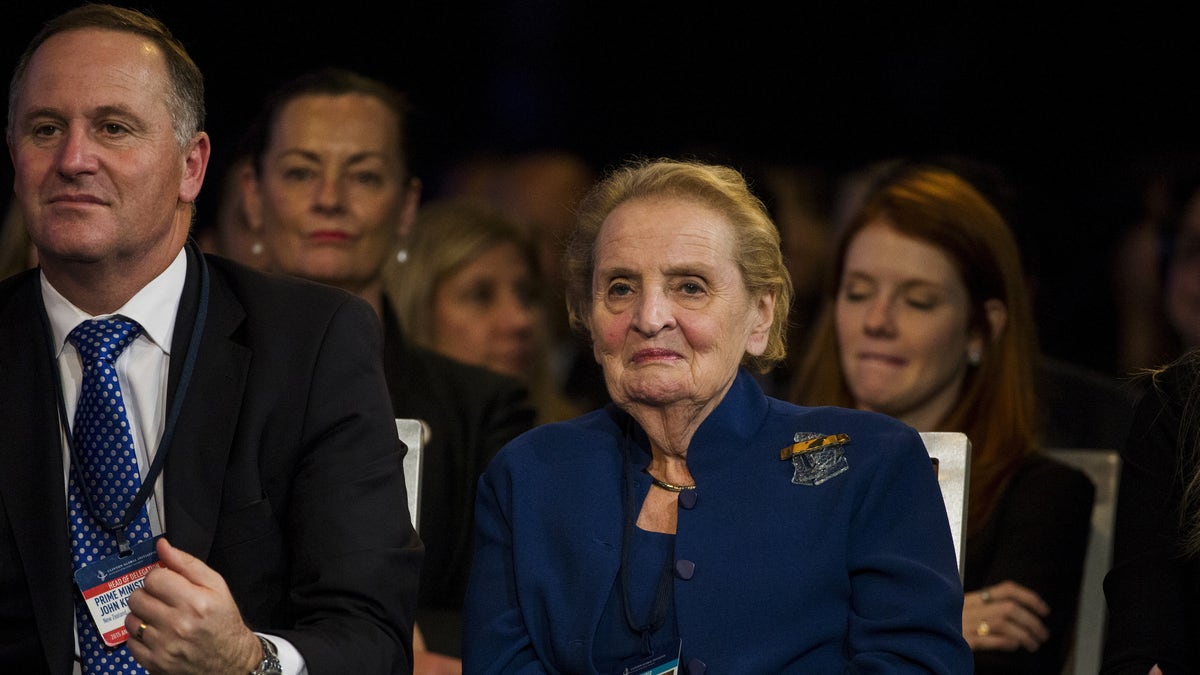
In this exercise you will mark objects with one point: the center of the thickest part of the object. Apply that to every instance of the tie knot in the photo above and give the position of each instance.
(104, 339)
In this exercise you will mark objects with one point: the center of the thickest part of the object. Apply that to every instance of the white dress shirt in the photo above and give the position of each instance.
(142, 368)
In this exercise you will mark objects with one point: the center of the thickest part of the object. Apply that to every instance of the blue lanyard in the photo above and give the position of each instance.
(117, 529)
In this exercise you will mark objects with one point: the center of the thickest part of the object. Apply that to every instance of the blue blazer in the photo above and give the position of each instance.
(854, 574)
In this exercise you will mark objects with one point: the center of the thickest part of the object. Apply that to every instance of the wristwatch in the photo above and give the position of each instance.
(270, 663)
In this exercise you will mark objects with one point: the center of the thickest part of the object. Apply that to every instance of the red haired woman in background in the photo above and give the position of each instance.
(929, 321)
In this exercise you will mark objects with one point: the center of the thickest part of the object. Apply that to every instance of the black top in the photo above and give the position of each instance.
(1153, 589)
(472, 412)
(1037, 536)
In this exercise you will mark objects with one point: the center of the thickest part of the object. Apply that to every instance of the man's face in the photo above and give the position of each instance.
(333, 192)
(99, 174)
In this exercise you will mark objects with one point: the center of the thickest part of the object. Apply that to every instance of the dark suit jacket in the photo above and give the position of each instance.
(472, 412)
(284, 475)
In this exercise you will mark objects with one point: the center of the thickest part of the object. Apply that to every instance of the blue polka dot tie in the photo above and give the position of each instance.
(104, 445)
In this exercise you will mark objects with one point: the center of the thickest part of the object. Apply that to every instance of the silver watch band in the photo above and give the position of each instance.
(270, 664)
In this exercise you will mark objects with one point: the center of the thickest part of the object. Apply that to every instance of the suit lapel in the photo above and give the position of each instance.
(31, 467)
(195, 466)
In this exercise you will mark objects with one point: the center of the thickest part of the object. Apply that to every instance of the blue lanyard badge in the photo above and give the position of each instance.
(664, 662)
(107, 584)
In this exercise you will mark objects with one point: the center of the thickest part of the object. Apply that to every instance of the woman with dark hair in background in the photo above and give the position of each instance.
(329, 193)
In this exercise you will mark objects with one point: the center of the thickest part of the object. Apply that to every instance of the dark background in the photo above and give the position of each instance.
(1076, 107)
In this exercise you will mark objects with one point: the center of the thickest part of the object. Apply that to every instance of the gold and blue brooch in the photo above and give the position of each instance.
(816, 457)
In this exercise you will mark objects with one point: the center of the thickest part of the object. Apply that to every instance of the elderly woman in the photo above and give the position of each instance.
(695, 521)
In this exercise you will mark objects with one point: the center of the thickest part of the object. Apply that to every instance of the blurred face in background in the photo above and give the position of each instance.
(902, 317)
(1182, 288)
(488, 313)
(334, 193)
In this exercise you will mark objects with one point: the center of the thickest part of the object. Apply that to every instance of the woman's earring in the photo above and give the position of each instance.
(402, 256)
(974, 356)
(256, 248)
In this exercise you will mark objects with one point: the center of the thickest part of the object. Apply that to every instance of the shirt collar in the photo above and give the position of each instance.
(154, 307)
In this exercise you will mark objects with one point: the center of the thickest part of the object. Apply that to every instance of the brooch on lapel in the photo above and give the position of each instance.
(816, 457)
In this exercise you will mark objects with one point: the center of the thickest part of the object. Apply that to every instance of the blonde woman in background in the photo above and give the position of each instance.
(469, 289)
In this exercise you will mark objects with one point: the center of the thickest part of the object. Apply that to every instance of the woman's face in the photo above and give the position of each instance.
(487, 313)
(333, 194)
(902, 326)
(671, 317)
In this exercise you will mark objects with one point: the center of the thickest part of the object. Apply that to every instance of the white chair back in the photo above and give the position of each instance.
(412, 432)
(1103, 467)
(951, 455)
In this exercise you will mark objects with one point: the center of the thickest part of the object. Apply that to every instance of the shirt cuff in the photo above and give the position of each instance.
(289, 657)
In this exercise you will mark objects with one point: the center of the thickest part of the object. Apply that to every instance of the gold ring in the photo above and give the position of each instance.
(984, 629)
(986, 595)
(141, 630)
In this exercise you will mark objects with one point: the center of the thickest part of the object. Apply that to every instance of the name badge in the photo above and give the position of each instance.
(664, 662)
(106, 586)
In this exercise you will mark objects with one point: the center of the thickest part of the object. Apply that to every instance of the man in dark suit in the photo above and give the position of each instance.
(257, 406)
(331, 193)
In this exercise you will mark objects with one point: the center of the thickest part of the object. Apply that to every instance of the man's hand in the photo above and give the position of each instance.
(192, 624)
